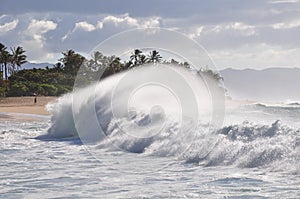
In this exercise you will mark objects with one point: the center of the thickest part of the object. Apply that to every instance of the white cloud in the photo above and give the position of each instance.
(126, 20)
(82, 25)
(99, 25)
(234, 28)
(114, 20)
(122, 21)
(221, 28)
(243, 28)
(41, 27)
(2, 16)
(257, 56)
(283, 1)
(152, 22)
(35, 50)
(287, 25)
(197, 32)
(36, 30)
(85, 26)
(9, 26)
(35, 39)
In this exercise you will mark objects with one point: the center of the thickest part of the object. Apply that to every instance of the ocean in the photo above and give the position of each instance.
(91, 148)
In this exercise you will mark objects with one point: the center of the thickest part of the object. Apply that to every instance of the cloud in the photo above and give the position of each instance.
(243, 28)
(34, 38)
(287, 25)
(37, 29)
(196, 33)
(153, 22)
(41, 27)
(283, 1)
(227, 26)
(223, 35)
(120, 22)
(257, 56)
(99, 25)
(126, 20)
(2, 16)
(83, 25)
(9, 26)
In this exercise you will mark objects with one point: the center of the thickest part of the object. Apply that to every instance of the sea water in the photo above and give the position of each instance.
(254, 154)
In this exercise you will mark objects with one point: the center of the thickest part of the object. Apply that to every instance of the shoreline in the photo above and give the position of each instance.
(25, 105)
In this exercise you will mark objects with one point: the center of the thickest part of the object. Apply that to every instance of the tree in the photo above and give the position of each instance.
(174, 62)
(58, 66)
(5, 59)
(99, 61)
(72, 61)
(143, 59)
(18, 58)
(154, 57)
(2, 48)
(135, 57)
(116, 65)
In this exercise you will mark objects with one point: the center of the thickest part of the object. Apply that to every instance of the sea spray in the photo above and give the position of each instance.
(62, 123)
(157, 130)
(159, 92)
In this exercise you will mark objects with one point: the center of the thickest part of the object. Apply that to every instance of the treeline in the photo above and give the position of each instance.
(59, 78)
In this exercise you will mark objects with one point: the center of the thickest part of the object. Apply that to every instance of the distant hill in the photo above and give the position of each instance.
(273, 84)
(29, 65)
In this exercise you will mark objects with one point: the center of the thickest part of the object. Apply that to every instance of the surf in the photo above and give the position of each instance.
(117, 115)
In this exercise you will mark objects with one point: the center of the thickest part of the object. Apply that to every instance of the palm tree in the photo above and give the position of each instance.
(2, 48)
(58, 66)
(154, 57)
(143, 59)
(5, 59)
(127, 65)
(72, 61)
(18, 57)
(116, 65)
(97, 57)
(98, 61)
(174, 62)
(135, 57)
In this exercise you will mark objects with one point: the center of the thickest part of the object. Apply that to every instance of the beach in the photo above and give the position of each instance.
(25, 105)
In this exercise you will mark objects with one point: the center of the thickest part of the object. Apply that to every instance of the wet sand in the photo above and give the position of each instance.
(25, 105)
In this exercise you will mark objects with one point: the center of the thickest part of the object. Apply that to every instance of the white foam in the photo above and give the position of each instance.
(104, 113)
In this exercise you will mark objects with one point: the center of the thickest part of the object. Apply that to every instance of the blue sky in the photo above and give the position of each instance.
(239, 34)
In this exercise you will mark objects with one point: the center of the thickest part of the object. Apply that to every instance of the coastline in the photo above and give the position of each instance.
(25, 105)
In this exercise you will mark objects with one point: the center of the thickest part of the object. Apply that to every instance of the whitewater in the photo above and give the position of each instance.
(129, 137)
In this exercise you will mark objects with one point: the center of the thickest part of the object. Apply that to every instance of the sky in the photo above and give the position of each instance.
(237, 34)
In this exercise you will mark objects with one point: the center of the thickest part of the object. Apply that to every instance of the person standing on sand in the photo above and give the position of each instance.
(35, 98)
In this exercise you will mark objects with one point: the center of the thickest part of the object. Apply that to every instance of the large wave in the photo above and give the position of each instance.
(154, 93)
(160, 132)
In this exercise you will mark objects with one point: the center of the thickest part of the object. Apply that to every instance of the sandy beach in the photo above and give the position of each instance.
(25, 105)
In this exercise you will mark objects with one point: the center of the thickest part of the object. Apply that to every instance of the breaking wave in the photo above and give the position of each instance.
(247, 145)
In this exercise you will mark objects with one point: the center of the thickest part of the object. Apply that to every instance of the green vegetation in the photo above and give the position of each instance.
(9, 63)
(49, 81)
(60, 78)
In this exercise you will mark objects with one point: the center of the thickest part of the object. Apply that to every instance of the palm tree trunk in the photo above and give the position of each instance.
(5, 71)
